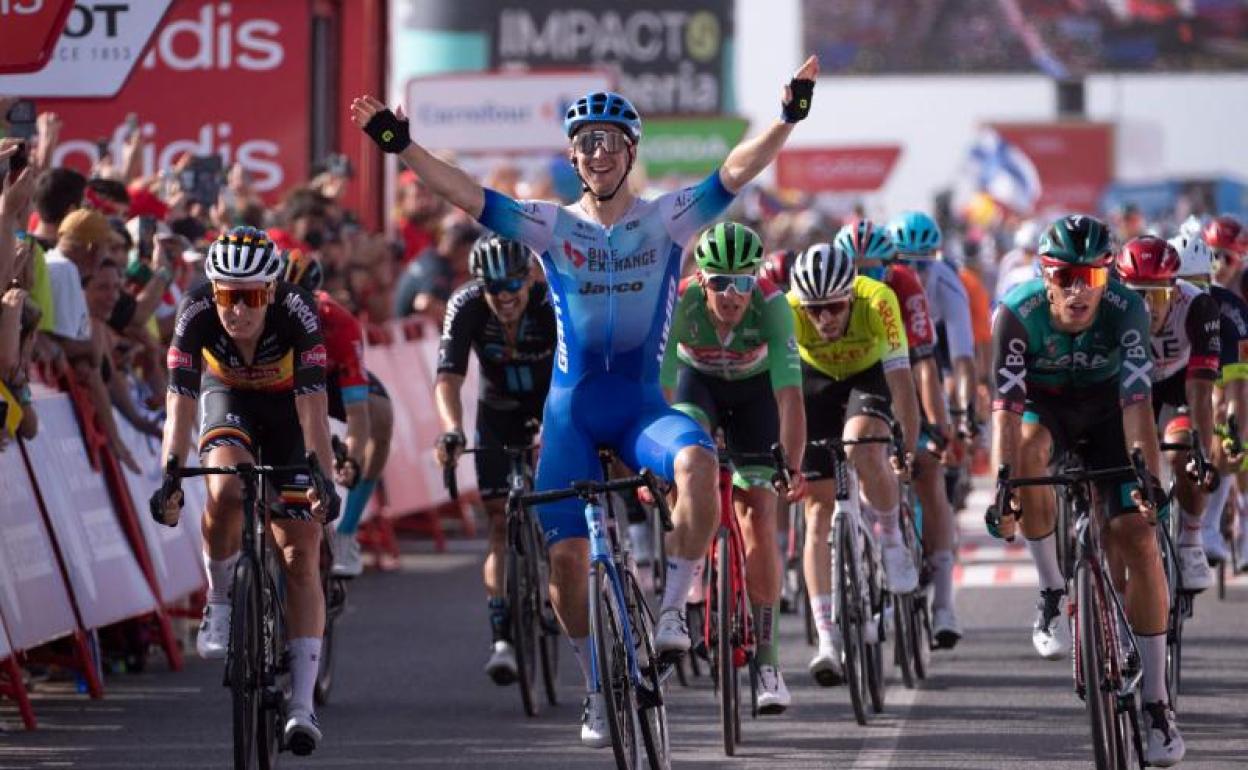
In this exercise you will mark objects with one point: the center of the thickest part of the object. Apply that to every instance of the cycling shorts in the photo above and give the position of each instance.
(604, 409)
(831, 403)
(1169, 396)
(1090, 420)
(498, 428)
(338, 409)
(267, 426)
(745, 410)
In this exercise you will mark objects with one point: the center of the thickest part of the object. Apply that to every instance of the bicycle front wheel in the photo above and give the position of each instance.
(611, 661)
(244, 662)
(522, 612)
(725, 666)
(851, 614)
(651, 706)
(1092, 613)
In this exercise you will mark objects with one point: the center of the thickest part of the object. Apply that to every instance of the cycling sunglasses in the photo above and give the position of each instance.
(835, 307)
(227, 296)
(741, 284)
(1155, 296)
(611, 141)
(1067, 276)
(510, 285)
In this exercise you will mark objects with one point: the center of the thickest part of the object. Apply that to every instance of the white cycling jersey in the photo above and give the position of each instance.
(1190, 336)
(950, 306)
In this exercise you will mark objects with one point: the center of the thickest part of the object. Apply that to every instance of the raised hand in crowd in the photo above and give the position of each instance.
(48, 127)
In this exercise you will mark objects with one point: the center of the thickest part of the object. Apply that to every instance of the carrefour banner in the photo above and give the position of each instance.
(669, 57)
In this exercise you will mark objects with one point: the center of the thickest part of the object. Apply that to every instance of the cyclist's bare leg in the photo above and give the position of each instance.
(1130, 537)
(1039, 506)
(495, 556)
(694, 518)
(381, 429)
(875, 474)
(817, 556)
(299, 545)
(569, 594)
(1187, 493)
(938, 527)
(222, 525)
(756, 514)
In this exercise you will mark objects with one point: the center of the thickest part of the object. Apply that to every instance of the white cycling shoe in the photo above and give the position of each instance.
(1194, 568)
(903, 577)
(501, 667)
(1241, 551)
(1050, 634)
(773, 695)
(302, 734)
(348, 561)
(945, 629)
(826, 667)
(671, 635)
(213, 639)
(595, 734)
(1165, 743)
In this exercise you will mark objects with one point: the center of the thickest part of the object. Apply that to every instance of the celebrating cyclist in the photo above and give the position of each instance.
(874, 255)
(612, 262)
(1186, 348)
(507, 318)
(731, 363)
(356, 398)
(248, 351)
(1072, 364)
(855, 362)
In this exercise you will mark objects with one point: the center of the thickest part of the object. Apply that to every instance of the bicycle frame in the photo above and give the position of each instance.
(745, 646)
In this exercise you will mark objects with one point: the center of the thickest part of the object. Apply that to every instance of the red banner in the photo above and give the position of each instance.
(836, 169)
(28, 32)
(1075, 160)
(230, 79)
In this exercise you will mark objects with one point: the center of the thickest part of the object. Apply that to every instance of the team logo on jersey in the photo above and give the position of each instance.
(315, 356)
(576, 256)
(299, 309)
(178, 359)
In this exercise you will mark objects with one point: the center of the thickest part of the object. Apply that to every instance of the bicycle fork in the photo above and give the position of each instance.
(600, 553)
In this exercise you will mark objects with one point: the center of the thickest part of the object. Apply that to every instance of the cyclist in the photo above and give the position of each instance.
(776, 267)
(874, 256)
(1071, 362)
(731, 363)
(1186, 347)
(612, 262)
(1231, 387)
(248, 351)
(1020, 264)
(855, 361)
(507, 318)
(356, 398)
(918, 238)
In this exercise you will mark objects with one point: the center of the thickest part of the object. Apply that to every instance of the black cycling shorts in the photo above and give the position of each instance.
(496, 428)
(1169, 396)
(1088, 420)
(744, 409)
(267, 426)
(831, 403)
(338, 410)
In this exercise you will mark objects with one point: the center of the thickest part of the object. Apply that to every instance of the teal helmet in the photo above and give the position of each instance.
(915, 234)
(1076, 240)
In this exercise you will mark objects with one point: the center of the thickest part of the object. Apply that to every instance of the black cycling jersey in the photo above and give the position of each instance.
(290, 357)
(511, 375)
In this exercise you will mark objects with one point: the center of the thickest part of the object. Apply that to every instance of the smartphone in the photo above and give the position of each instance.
(21, 119)
(18, 161)
(203, 177)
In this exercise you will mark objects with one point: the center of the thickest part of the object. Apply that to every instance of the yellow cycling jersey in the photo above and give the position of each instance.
(876, 334)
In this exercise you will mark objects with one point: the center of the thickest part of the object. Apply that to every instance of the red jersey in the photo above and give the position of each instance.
(344, 340)
(920, 331)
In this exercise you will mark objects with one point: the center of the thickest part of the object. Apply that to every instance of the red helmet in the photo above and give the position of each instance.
(1225, 233)
(776, 267)
(1147, 260)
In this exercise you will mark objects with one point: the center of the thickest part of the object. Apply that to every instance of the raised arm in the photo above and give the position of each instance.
(751, 156)
(390, 131)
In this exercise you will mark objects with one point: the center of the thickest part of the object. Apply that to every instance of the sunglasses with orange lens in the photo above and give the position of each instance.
(1156, 296)
(1066, 276)
(228, 296)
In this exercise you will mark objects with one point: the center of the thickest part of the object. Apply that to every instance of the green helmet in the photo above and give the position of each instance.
(729, 247)
(1076, 239)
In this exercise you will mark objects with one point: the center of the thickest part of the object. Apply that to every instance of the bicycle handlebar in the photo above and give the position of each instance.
(587, 490)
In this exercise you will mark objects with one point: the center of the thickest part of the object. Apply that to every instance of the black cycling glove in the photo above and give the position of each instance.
(391, 134)
(163, 493)
(799, 106)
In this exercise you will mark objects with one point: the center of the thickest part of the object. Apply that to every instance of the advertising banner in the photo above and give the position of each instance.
(496, 111)
(230, 79)
(103, 572)
(836, 169)
(33, 597)
(1074, 161)
(29, 30)
(689, 146)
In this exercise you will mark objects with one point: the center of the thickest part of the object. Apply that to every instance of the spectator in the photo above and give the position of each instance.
(58, 191)
(19, 319)
(83, 236)
(418, 211)
(103, 293)
(427, 283)
(107, 196)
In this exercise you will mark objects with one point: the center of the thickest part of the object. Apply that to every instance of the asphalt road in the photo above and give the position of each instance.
(411, 693)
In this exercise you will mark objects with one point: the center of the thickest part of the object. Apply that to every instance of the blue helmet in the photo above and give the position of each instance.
(915, 234)
(864, 240)
(603, 107)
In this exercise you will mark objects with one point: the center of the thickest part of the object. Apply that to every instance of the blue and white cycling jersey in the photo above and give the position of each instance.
(613, 290)
(614, 287)
(950, 306)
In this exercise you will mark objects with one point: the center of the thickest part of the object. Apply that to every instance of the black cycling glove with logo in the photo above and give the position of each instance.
(391, 134)
(799, 106)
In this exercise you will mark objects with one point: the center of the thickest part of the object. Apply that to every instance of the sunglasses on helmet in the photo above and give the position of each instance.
(510, 285)
(229, 296)
(611, 141)
(1067, 276)
(741, 284)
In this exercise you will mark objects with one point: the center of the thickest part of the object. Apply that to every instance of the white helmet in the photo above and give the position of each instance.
(1196, 258)
(242, 255)
(1027, 236)
(1193, 225)
(823, 271)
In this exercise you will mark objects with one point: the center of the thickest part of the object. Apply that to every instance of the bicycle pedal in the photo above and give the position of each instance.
(271, 698)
